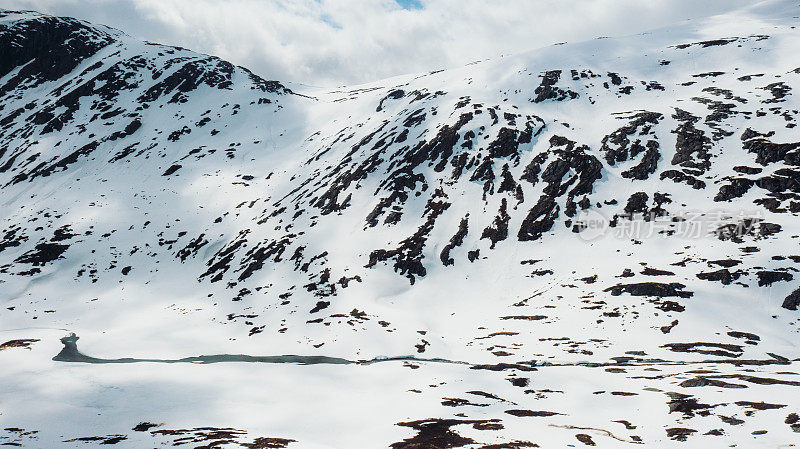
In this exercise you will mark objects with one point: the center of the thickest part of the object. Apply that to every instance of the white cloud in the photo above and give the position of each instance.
(330, 42)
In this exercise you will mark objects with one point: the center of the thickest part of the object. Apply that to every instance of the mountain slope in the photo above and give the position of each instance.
(560, 223)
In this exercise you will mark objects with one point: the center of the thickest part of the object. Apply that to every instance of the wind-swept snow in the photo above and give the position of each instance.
(602, 234)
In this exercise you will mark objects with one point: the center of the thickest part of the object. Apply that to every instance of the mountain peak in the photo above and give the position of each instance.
(607, 223)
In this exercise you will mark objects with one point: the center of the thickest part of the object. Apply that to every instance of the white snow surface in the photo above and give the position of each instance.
(163, 204)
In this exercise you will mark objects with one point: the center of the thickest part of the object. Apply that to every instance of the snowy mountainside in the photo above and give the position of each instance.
(622, 205)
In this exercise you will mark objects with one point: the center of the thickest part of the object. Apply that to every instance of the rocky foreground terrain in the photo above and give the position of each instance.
(590, 244)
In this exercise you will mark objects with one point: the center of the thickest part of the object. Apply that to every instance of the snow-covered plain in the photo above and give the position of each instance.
(164, 205)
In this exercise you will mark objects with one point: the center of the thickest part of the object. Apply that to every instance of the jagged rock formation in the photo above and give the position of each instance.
(591, 212)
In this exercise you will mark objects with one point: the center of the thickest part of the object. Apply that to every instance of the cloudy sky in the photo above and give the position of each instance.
(334, 42)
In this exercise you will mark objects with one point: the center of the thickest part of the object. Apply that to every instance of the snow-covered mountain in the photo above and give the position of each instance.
(592, 243)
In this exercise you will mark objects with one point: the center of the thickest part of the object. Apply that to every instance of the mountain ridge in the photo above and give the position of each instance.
(608, 205)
